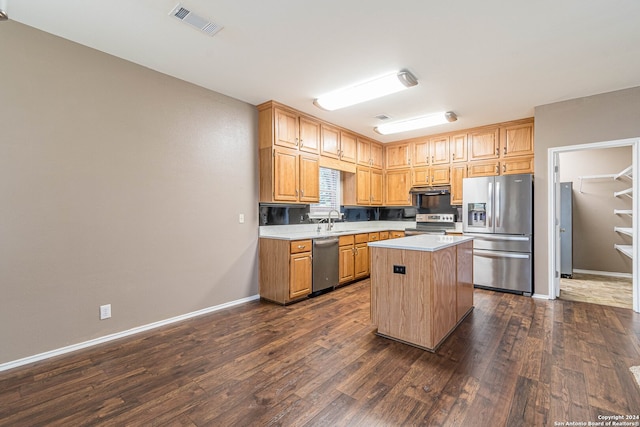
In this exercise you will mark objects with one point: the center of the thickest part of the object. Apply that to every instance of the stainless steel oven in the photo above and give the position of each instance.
(432, 224)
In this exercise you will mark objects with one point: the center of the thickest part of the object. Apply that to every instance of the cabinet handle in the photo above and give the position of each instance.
(498, 151)
(505, 149)
(302, 246)
(497, 169)
(296, 142)
(302, 193)
(431, 159)
(504, 168)
(296, 193)
(301, 142)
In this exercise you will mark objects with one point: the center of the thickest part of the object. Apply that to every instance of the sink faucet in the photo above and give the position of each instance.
(329, 223)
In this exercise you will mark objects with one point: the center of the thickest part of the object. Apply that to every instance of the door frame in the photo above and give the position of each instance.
(553, 218)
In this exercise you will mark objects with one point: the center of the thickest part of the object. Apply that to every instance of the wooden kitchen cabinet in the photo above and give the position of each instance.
(346, 259)
(368, 186)
(285, 272)
(484, 144)
(296, 177)
(439, 150)
(330, 141)
(421, 176)
(458, 146)
(361, 259)
(384, 235)
(397, 156)
(458, 173)
(296, 131)
(483, 169)
(397, 187)
(369, 153)
(517, 140)
(396, 234)
(348, 147)
(516, 165)
(440, 175)
(420, 153)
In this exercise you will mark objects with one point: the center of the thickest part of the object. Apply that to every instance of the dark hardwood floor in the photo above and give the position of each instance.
(515, 361)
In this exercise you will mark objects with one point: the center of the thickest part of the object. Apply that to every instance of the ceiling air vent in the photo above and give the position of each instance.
(382, 117)
(197, 21)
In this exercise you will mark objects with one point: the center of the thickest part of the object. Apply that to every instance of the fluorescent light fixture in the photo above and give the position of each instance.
(371, 89)
(434, 119)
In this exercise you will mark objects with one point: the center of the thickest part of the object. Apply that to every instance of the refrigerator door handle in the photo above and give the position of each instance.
(498, 237)
(497, 204)
(490, 211)
(494, 254)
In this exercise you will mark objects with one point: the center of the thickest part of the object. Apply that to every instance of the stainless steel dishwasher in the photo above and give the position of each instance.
(325, 264)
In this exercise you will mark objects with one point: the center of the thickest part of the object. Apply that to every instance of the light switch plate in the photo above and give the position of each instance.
(241, 218)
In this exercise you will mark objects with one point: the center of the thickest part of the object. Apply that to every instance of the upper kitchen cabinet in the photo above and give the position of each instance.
(397, 156)
(420, 152)
(458, 147)
(330, 141)
(368, 187)
(517, 140)
(439, 150)
(397, 186)
(484, 144)
(289, 176)
(369, 153)
(284, 127)
(348, 147)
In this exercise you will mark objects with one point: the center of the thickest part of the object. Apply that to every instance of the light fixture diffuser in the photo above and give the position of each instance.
(421, 122)
(371, 89)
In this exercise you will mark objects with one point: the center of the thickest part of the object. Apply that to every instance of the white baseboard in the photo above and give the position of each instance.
(540, 296)
(74, 347)
(604, 273)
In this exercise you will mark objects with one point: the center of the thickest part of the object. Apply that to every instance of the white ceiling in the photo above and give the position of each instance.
(488, 61)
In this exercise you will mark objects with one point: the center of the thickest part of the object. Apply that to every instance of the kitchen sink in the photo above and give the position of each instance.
(343, 231)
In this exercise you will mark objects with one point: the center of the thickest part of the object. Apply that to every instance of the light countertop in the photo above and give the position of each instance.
(421, 242)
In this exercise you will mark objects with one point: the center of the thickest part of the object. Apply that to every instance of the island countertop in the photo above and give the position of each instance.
(422, 242)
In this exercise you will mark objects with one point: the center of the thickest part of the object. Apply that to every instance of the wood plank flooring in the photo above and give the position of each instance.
(596, 289)
(515, 361)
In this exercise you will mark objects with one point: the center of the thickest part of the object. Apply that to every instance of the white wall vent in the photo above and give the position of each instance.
(197, 21)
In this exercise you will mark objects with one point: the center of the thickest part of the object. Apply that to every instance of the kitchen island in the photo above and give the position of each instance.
(421, 287)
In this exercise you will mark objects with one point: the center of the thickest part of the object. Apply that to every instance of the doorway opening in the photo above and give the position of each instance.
(605, 222)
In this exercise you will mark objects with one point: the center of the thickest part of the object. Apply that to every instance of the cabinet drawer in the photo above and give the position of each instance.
(384, 235)
(346, 240)
(373, 237)
(362, 238)
(300, 246)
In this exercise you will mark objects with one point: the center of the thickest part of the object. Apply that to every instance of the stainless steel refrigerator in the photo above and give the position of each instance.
(498, 213)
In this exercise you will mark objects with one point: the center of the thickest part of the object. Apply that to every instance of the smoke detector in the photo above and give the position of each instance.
(202, 24)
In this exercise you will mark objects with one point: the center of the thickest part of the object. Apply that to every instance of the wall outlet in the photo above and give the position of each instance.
(400, 269)
(241, 218)
(105, 311)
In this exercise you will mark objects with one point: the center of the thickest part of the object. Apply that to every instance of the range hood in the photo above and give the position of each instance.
(431, 191)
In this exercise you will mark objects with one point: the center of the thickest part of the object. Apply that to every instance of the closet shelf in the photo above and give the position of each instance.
(627, 173)
(624, 230)
(623, 212)
(625, 192)
(625, 249)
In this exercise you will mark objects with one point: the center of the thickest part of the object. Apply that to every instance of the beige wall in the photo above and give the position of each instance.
(118, 185)
(604, 117)
(593, 217)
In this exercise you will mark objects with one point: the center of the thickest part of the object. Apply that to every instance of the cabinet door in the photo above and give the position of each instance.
(458, 173)
(364, 152)
(421, 153)
(348, 147)
(397, 156)
(363, 186)
(300, 275)
(458, 146)
(421, 176)
(330, 141)
(483, 169)
(439, 150)
(397, 186)
(346, 265)
(443, 282)
(440, 175)
(377, 180)
(361, 260)
(309, 135)
(517, 140)
(484, 144)
(376, 155)
(286, 128)
(285, 175)
(309, 179)
(517, 165)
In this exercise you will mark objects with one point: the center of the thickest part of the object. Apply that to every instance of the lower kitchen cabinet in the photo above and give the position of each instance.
(346, 259)
(285, 271)
(361, 255)
(396, 234)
